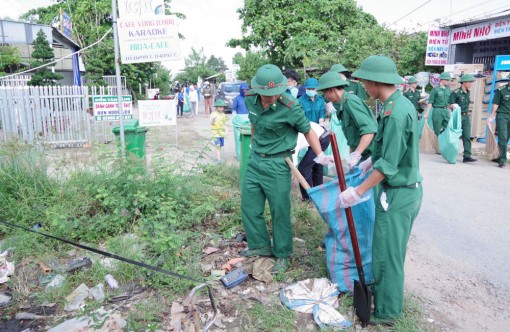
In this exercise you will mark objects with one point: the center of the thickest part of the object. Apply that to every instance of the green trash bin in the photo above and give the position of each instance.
(245, 140)
(239, 121)
(134, 137)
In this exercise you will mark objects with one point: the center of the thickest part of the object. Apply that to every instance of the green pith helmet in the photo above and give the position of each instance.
(412, 79)
(331, 79)
(467, 78)
(269, 81)
(220, 103)
(445, 76)
(339, 68)
(378, 68)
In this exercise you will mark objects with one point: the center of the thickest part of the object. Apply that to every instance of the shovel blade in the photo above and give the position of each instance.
(362, 302)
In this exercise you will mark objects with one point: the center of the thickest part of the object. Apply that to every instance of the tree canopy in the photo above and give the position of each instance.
(197, 65)
(10, 58)
(42, 54)
(91, 20)
(320, 33)
(289, 31)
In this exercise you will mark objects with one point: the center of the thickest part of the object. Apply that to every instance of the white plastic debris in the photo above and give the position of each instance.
(318, 297)
(98, 321)
(97, 292)
(76, 299)
(6, 268)
(57, 282)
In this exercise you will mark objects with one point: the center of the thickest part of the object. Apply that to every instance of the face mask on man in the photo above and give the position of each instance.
(311, 93)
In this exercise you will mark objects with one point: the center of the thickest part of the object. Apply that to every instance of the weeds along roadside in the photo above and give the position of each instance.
(164, 210)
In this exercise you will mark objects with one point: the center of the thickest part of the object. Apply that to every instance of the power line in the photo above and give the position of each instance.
(467, 12)
(61, 59)
(426, 2)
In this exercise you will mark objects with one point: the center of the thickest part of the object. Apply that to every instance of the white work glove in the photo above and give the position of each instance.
(349, 198)
(353, 160)
(490, 119)
(330, 108)
(365, 167)
(323, 159)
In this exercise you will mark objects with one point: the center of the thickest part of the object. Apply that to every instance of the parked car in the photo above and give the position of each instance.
(228, 91)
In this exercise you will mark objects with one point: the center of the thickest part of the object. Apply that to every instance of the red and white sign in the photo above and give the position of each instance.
(437, 47)
(498, 28)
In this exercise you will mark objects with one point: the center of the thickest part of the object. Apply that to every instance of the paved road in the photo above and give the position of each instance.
(460, 249)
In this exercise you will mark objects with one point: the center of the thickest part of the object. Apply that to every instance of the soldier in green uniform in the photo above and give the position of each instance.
(396, 173)
(358, 122)
(353, 87)
(501, 112)
(461, 98)
(439, 101)
(276, 118)
(413, 95)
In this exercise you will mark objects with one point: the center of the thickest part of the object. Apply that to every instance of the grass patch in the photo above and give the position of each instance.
(268, 319)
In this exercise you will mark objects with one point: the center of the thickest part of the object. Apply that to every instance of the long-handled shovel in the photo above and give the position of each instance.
(362, 294)
(297, 174)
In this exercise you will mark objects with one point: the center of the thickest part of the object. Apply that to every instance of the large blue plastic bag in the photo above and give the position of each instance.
(449, 138)
(340, 260)
(335, 126)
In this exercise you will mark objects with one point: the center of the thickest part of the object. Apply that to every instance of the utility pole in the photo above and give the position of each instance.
(117, 78)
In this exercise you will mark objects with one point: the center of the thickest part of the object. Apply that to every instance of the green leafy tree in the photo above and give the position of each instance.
(412, 56)
(9, 59)
(42, 54)
(288, 31)
(196, 65)
(249, 64)
(362, 42)
(91, 20)
(216, 64)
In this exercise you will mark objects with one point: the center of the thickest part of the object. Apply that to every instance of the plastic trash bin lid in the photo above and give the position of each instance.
(129, 125)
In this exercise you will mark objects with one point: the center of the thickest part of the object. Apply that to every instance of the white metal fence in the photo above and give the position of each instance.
(59, 115)
(18, 80)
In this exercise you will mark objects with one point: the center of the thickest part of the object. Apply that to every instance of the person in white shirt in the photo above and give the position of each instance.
(193, 99)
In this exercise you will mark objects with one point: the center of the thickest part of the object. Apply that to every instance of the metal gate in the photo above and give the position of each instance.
(58, 115)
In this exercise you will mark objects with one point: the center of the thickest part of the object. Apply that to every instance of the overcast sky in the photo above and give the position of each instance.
(211, 23)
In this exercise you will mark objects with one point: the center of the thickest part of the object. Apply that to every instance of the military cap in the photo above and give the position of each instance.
(220, 103)
(445, 76)
(378, 68)
(412, 79)
(467, 78)
(269, 81)
(339, 68)
(331, 79)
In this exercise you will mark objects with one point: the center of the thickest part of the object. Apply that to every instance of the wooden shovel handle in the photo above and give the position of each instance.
(297, 174)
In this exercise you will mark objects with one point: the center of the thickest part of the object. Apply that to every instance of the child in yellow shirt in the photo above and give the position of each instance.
(218, 120)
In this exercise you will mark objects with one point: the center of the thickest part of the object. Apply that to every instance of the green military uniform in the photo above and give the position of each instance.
(414, 98)
(462, 98)
(275, 131)
(440, 113)
(356, 89)
(357, 120)
(439, 100)
(396, 156)
(502, 98)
